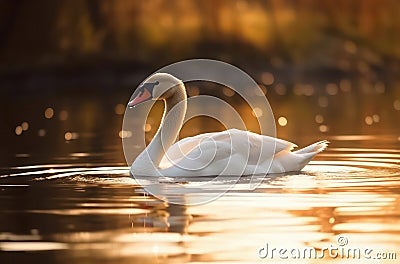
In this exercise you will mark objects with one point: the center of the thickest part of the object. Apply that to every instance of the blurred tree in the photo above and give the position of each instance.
(45, 31)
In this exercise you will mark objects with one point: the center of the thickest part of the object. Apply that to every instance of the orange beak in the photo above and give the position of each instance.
(141, 97)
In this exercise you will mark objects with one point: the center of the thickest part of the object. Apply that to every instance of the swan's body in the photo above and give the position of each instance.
(230, 152)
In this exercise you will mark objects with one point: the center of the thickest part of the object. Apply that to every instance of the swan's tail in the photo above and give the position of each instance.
(306, 154)
(286, 161)
(313, 148)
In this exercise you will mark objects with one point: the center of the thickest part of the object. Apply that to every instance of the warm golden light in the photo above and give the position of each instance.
(257, 112)
(331, 89)
(124, 134)
(396, 105)
(267, 78)
(323, 128)
(331, 67)
(25, 126)
(303, 89)
(228, 92)
(71, 135)
(376, 118)
(368, 120)
(147, 127)
(319, 119)
(308, 90)
(18, 130)
(282, 121)
(119, 109)
(49, 113)
(68, 136)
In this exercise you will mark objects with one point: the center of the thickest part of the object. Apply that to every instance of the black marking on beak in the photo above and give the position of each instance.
(143, 93)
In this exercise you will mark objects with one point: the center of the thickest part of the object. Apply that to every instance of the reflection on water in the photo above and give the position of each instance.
(66, 196)
(71, 212)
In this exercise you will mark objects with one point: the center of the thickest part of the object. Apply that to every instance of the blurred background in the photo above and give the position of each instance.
(68, 68)
(329, 68)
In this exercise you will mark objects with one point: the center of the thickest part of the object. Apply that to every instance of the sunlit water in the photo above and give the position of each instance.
(66, 195)
(96, 212)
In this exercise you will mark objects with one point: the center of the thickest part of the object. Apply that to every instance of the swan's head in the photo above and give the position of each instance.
(159, 86)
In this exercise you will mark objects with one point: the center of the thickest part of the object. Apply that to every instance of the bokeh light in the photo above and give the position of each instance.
(331, 89)
(369, 120)
(267, 78)
(257, 112)
(376, 118)
(280, 89)
(18, 130)
(323, 128)
(282, 121)
(319, 119)
(228, 92)
(49, 113)
(396, 105)
(68, 136)
(41, 132)
(119, 109)
(124, 134)
(25, 126)
(147, 127)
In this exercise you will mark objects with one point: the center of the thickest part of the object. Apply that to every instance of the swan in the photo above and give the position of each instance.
(232, 152)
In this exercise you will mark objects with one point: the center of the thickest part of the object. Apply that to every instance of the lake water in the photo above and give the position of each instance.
(66, 195)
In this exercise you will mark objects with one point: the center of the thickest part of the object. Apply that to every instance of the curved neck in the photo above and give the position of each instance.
(167, 133)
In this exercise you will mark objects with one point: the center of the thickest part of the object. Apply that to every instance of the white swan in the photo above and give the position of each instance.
(230, 152)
